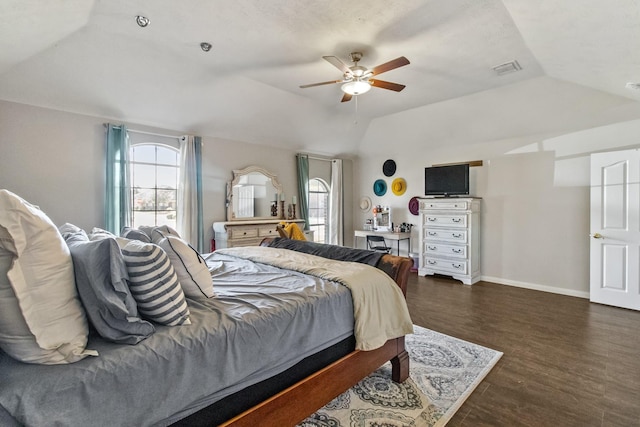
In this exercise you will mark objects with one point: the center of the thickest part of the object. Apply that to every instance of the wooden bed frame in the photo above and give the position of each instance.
(294, 404)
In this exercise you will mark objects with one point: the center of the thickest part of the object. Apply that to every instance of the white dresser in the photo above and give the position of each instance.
(230, 234)
(450, 238)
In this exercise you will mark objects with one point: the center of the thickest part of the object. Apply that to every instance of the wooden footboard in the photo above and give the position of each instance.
(294, 404)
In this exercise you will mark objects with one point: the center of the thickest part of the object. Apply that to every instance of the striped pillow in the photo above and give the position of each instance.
(154, 284)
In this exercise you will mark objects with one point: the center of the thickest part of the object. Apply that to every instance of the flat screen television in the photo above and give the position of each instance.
(450, 180)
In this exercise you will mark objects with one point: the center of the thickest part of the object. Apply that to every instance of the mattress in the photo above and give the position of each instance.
(262, 321)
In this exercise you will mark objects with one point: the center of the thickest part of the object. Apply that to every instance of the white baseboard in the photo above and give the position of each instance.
(536, 287)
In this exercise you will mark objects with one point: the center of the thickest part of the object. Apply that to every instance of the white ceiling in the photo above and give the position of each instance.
(90, 57)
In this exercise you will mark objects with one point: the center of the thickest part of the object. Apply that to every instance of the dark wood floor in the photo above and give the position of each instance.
(566, 362)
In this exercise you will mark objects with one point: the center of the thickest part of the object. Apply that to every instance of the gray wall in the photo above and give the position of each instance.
(535, 189)
(55, 160)
(535, 202)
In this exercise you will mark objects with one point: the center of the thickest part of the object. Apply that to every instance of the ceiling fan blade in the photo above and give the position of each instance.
(391, 65)
(387, 85)
(321, 83)
(346, 97)
(337, 63)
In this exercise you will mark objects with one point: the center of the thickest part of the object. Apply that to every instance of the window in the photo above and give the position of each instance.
(154, 184)
(319, 209)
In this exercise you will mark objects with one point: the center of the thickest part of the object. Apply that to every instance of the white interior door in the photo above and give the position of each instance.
(615, 228)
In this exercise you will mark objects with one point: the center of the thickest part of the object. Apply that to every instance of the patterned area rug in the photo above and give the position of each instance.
(443, 373)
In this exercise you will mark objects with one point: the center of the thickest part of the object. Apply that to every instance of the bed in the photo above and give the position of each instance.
(266, 351)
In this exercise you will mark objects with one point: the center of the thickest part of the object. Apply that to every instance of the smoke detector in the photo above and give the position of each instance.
(507, 67)
(142, 21)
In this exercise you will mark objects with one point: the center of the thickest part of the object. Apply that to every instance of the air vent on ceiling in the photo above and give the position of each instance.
(507, 67)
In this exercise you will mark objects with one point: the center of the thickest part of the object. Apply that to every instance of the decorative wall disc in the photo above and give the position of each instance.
(414, 206)
(389, 168)
(399, 186)
(365, 203)
(380, 187)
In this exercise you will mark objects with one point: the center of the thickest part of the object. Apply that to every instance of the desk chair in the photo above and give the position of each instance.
(378, 244)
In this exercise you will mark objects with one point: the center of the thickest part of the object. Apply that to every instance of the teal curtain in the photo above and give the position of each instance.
(303, 188)
(117, 212)
(198, 150)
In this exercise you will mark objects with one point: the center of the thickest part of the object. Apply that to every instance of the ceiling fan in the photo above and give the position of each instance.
(357, 79)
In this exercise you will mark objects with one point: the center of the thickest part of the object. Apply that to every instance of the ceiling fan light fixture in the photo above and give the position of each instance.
(356, 87)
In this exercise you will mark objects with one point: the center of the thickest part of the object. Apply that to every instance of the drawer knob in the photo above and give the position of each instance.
(432, 248)
(456, 235)
(432, 233)
(431, 219)
(457, 251)
(456, 219)
(458, 266)
(431, 262)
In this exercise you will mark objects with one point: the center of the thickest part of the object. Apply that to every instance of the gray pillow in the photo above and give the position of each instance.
(101, 279)
(133, 234)
(70, 231)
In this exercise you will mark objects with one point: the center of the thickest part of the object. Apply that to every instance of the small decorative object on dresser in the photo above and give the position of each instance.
(450, 238)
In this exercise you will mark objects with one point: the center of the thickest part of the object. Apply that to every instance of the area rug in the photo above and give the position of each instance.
(443, 372)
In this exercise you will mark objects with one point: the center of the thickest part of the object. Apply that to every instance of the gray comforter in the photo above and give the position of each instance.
(242, 336)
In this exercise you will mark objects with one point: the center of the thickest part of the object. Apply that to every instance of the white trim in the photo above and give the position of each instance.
(536, 287)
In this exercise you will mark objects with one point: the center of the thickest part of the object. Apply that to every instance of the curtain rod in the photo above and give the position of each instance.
(150, 133)
(154, 134)
(316, 158)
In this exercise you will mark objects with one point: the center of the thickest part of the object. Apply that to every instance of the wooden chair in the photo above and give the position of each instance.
(378, 244)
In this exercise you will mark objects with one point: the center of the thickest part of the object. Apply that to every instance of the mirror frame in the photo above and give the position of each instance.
(237, 174)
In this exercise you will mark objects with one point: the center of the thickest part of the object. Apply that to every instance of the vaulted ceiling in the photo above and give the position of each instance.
(90, 57)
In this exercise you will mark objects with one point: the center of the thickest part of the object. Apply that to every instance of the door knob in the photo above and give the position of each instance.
(597, 236)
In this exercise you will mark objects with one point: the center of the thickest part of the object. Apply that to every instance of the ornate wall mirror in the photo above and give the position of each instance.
(251, 194)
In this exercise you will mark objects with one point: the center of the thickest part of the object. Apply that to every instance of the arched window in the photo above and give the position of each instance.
(319, 209)
(154, 184)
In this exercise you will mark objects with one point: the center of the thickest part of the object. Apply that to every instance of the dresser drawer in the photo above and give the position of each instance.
(458, 236)
(253, 241)
(457, 206)
(242, 232)
(268, 231)
(437, 220)
(451, 251)
(447, 266)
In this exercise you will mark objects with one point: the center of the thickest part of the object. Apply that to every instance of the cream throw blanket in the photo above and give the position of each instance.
(380, 309)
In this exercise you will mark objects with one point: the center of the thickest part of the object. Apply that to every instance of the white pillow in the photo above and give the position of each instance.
(192, 271)
(41, 317)
(154, 284)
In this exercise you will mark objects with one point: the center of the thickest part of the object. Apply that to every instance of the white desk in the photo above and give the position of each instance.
(388, 235)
